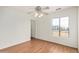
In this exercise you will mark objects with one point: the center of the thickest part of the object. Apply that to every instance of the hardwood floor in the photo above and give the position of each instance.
(39, 46)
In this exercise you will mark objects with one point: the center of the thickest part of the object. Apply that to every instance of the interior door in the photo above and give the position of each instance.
(33, 28)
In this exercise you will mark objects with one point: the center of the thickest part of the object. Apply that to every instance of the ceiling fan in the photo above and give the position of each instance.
(39, 11)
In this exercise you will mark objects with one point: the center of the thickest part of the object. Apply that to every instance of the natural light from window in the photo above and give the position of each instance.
(60, 26)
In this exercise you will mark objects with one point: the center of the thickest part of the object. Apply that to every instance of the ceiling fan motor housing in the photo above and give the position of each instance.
(38, 8)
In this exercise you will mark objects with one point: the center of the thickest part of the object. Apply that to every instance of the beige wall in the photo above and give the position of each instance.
(78, 29)
(14, 27)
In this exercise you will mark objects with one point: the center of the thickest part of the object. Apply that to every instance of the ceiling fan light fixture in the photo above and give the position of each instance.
(38, 14)
(41, 15)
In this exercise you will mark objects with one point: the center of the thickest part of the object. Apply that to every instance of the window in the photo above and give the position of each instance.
(60, 26)
(55, 26)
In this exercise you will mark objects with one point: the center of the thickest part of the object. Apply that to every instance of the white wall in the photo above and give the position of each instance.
(78, 29)
(14, 27)
(44, 29)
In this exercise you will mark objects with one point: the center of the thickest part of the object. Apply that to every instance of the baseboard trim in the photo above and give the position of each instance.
(53, 42)
(13, 45)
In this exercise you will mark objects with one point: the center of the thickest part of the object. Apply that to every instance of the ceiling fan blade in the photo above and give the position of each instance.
(46, 8)
(45, 13)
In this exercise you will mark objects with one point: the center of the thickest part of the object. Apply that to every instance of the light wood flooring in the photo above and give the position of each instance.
(39, 46)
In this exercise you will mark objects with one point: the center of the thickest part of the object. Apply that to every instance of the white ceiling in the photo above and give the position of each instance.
(32, 8)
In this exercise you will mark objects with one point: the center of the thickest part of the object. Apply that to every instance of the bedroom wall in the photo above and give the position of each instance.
(14, 27)
(44, 29)
(78, 29)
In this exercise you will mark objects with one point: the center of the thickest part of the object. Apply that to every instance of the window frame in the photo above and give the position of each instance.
(60, 25)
